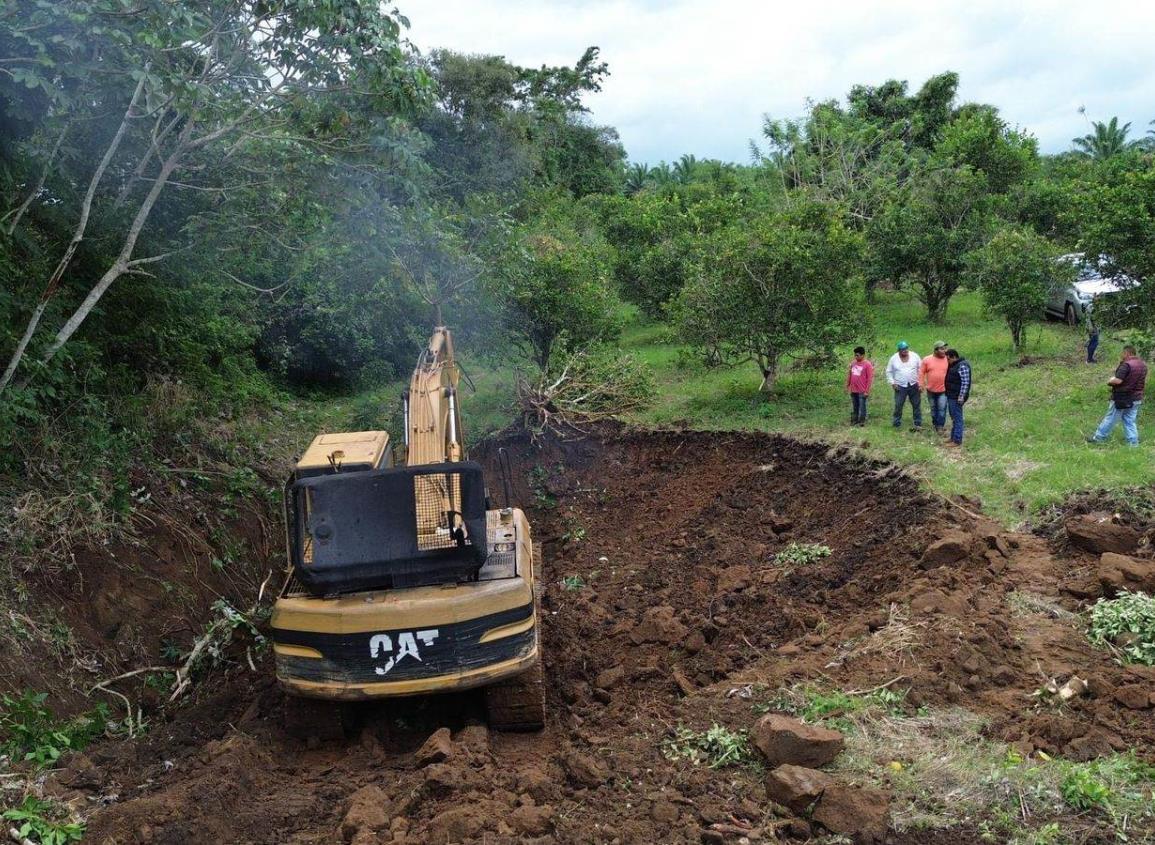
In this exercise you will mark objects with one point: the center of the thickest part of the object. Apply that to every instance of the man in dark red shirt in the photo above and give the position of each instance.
(1126, 396)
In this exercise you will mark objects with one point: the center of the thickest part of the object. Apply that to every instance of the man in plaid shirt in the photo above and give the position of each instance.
(958, 390)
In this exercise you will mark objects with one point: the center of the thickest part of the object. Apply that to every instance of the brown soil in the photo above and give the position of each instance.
(673, 535)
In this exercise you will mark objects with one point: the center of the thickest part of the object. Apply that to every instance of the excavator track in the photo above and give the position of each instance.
(314, 719)
(519, 703)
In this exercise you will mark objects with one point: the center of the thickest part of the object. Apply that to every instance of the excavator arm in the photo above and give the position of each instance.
(432, 414)
(433, 436)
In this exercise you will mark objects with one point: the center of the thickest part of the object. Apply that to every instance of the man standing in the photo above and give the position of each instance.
(858, 384)
(1126, 396)
(1092, 336)
(902, 373)
(932, 377)
(958, 390)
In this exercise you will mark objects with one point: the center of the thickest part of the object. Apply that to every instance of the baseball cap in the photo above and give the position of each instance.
(902, 344)
(940, 344)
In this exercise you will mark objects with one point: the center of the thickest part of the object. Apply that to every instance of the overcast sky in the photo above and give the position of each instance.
(697, 77)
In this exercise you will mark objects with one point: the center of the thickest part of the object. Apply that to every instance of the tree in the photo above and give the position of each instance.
(778, 286)
(196, 76)
(685, 168)
(1105, 139)
(1114, 212)
(552, 284)
(637, 178)
(1015, 270)
(941, 214)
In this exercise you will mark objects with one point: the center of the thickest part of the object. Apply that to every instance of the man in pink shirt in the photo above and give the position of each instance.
(932, 378)
(858, 383)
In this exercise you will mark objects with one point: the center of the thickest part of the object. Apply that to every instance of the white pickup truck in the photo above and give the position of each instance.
(1071, 301)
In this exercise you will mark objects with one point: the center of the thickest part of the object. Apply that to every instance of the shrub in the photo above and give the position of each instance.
(1128, 622)
(29, 731)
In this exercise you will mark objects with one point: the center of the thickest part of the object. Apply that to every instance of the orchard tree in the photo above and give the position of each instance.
(942, 214)
(1015, 270)
(1114, 211)
(780, 285)
(552, 282)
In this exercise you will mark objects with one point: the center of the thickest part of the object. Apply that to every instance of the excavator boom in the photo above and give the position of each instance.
(432, 416)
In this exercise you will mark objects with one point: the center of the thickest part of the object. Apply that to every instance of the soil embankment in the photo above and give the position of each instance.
(664, 609)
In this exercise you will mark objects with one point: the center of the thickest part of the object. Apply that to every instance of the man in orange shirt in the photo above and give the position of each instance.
(932, 377)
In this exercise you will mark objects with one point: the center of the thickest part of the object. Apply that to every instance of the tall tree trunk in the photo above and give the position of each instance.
(77, 236)
(124, 260)
(768, 365)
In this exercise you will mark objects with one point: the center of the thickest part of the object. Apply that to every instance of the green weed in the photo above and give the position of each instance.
(1127, 623)
(574, 530)
(801, 554)
(717, 747)
(44, 822)
(542, 498)
(833, 708)
(572, 582)
(29, 731)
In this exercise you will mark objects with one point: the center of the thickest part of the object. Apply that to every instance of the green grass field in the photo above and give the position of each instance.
(1026, 422)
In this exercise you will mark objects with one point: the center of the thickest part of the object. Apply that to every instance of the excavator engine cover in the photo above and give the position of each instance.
(389, 528)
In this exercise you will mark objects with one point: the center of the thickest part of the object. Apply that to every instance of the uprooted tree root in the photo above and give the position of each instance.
(590, 388)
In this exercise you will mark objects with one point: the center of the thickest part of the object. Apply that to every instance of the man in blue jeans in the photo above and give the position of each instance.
(902, 374)
(1126, 396)
(958, 391)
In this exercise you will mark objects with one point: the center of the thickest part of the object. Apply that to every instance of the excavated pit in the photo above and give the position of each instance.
(664, 607)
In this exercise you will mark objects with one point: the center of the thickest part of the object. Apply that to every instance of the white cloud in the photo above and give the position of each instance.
(696, 78)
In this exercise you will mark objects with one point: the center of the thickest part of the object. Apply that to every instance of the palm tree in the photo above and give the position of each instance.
(637, 177)
(662, 174)
(1107, 140)
(684, 168)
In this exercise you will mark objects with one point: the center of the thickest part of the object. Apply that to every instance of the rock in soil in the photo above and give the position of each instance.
(1096, 533)
(366, 812)
(952, 548)
(783, 740)
(1122, 572)
(1134, 696)
(796, 787)
(861, 814)
(437, 749)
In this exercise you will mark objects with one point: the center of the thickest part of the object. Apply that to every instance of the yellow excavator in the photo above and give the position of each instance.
(401, 579)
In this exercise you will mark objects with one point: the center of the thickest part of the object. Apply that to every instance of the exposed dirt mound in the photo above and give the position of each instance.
(667, 604)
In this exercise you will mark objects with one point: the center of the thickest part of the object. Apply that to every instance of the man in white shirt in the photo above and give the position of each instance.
(902, 373)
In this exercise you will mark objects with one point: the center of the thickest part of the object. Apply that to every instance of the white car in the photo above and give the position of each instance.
(1072, 302)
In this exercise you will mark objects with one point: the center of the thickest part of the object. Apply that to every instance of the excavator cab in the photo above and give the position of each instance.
(401, 579)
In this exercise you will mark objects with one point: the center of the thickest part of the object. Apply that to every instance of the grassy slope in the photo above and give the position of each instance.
(1026, 423)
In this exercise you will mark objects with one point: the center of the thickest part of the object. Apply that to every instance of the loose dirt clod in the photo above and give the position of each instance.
(861, 814)
(1122, 572)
